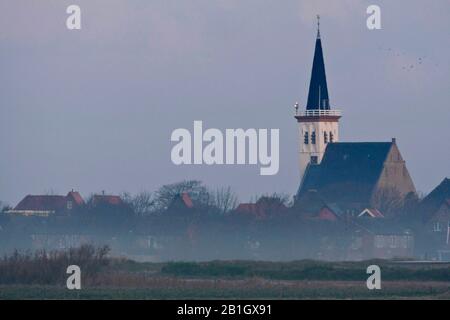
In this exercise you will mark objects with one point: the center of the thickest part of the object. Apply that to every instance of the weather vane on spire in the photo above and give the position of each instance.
(318, 26)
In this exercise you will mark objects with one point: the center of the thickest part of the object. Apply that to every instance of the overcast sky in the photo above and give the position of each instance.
(94, 109)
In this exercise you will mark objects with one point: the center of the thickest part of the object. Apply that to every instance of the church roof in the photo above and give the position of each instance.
(318, 89)
(348, 172)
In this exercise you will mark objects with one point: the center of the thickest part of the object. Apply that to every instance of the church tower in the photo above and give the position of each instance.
(318, 124)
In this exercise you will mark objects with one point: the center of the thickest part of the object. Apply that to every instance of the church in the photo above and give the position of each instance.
(352, 175)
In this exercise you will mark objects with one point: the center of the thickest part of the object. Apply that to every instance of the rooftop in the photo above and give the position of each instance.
(348, 171)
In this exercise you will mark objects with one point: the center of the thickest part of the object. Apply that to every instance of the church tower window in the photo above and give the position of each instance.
(313, 137)
(306, 138)
(325, 137)
(331, 137)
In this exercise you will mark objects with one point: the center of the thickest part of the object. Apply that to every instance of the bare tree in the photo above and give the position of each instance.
(276, 199)
(388, 200)
(225, 200)
(167, 193)
(4, 207)
(142, 204)
(274, 203)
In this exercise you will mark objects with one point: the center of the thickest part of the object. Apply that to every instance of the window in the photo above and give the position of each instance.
(306, 138)
(325, 137)
(314, 160)
(404, 242)
(392, 241)
(331, 137)
(69, 205)
(379, 241)
(313, 137)
(437, 227)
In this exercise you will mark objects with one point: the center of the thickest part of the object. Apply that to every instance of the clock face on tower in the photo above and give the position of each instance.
(149, 150)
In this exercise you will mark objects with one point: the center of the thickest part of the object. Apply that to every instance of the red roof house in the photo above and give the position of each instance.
(262, 209)
(328, 213)
(107, 200)
(45, 205)
(75, 197)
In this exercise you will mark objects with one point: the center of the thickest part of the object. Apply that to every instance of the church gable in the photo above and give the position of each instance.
(395, 176)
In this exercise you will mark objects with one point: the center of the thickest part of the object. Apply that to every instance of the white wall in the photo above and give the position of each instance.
(317, 149)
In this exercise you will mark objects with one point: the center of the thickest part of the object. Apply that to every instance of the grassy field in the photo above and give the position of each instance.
(251, 289)
(124, 279)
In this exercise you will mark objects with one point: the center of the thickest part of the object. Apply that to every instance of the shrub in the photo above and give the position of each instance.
(49, 267)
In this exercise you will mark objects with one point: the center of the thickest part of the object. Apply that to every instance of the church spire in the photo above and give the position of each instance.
(318, 27)
(318, 90)
(318, 125)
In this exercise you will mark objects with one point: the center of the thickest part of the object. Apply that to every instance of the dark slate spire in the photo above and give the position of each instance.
(318, 90)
